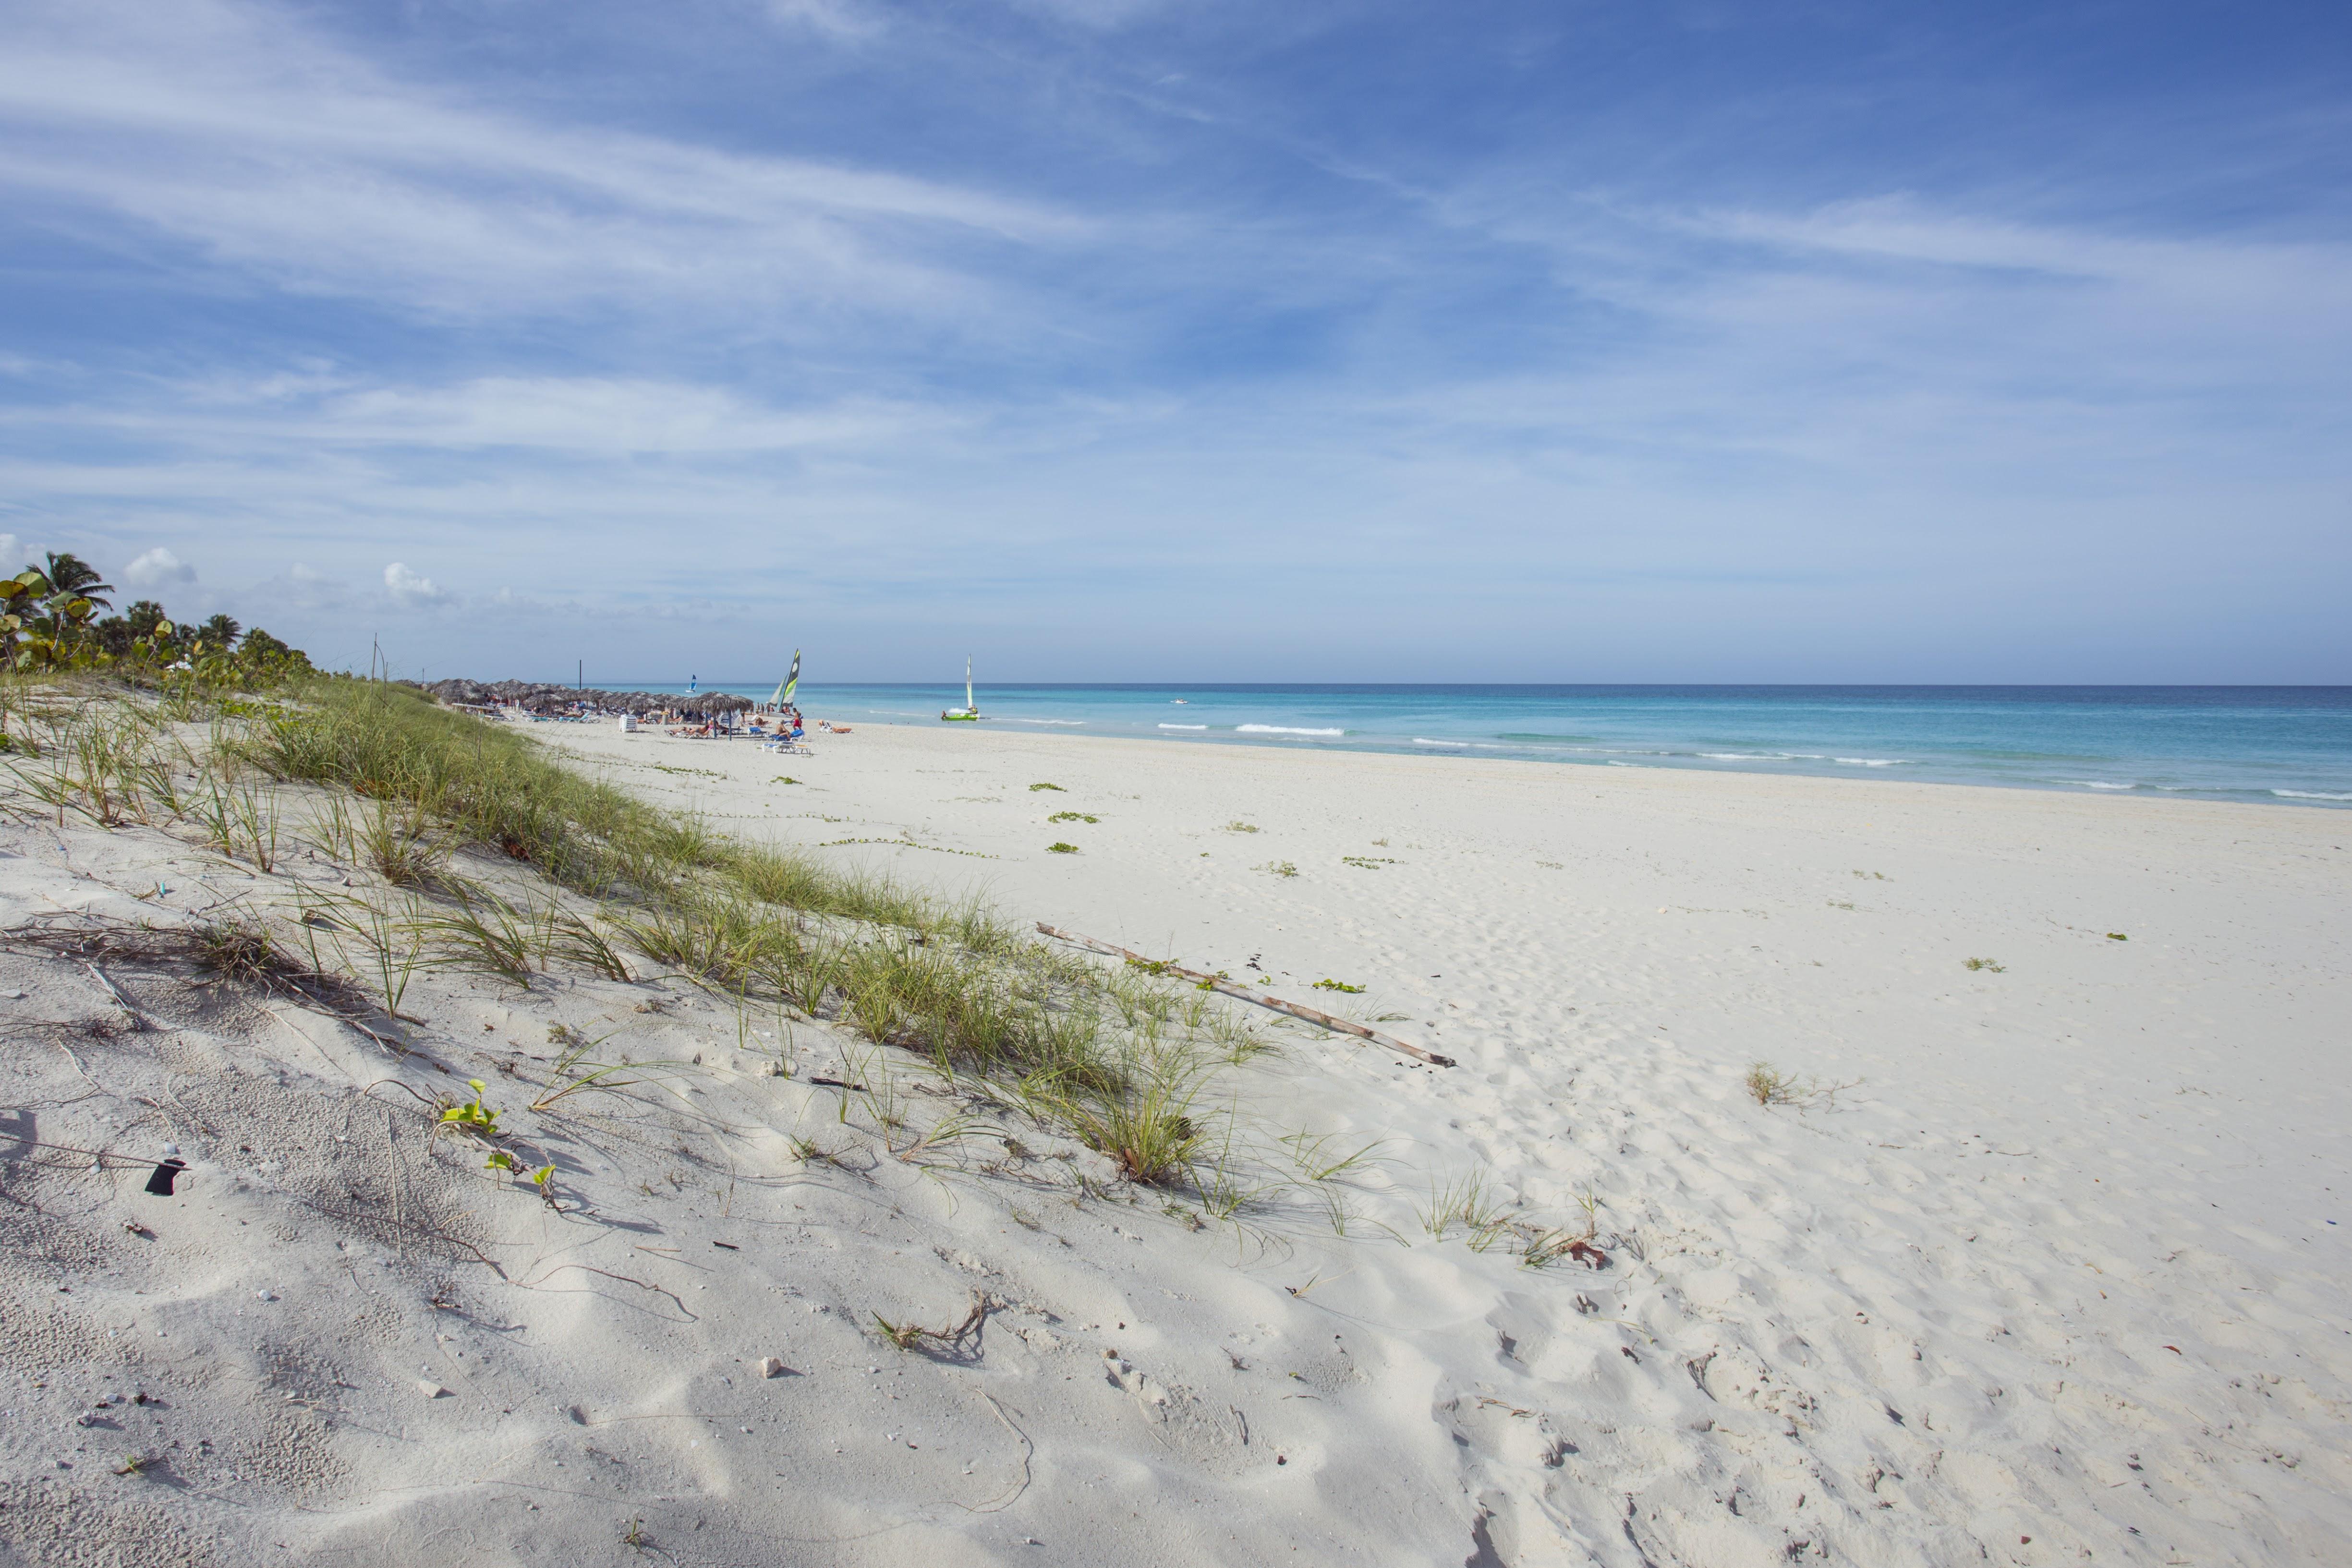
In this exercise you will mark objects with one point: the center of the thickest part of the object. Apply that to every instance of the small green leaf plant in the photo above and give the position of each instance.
(1060, 849)
(1329, 985)
(472, 1116)
(542, 1179)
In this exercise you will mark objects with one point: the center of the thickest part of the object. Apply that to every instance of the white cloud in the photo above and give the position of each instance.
(556, 414)
(15, 555)
(271, 150)
(1095, 16)
(840, 20)
(600, 415)
(410, 587)
(159, 568)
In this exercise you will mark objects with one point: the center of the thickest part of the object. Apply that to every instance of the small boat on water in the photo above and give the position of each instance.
(970, 711)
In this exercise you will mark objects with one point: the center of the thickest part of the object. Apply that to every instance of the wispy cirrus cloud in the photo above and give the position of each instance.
(233, 130)
(844, 21)
(577, 414)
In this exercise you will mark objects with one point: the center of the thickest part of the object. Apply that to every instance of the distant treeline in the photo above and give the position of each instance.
(54, 620)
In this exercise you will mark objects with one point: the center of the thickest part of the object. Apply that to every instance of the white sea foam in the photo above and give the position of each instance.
(1183, 726)
(2097, 784)
(1282, 729)
(1869, 762)
(2309, 795)
(1455, 743)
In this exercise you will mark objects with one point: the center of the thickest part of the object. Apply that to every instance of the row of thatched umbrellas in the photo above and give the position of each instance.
(540, 696)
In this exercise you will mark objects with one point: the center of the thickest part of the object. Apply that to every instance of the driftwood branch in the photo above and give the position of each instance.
(1252, 994)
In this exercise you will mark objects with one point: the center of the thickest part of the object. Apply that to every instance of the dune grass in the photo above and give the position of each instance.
(1118, 1061)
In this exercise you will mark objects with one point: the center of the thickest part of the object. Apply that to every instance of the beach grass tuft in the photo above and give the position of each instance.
(1768, 1085)
(1466, 1202)
(239, 950)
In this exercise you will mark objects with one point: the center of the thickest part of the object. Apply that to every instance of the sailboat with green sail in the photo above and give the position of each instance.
(970, 711)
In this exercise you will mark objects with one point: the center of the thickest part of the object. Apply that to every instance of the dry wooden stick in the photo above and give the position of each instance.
(1249, 994)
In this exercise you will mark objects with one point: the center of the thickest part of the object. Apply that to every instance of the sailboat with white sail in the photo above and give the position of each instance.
(970, 711)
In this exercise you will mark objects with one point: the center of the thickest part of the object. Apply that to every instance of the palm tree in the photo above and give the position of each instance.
(69, 573)
(50, 618)
(220, 632)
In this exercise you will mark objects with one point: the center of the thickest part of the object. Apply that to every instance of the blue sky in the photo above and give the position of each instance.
(1124, 340)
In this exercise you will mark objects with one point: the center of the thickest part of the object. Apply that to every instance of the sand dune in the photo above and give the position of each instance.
(2053, 1276)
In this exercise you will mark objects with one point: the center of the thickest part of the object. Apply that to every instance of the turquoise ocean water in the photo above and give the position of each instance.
(2284, 745)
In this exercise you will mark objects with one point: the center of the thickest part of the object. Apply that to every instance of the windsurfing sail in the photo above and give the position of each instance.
(791, 684)
(690, 680)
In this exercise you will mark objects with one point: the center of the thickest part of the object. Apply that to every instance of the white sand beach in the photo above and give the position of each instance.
(2039, 1264)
